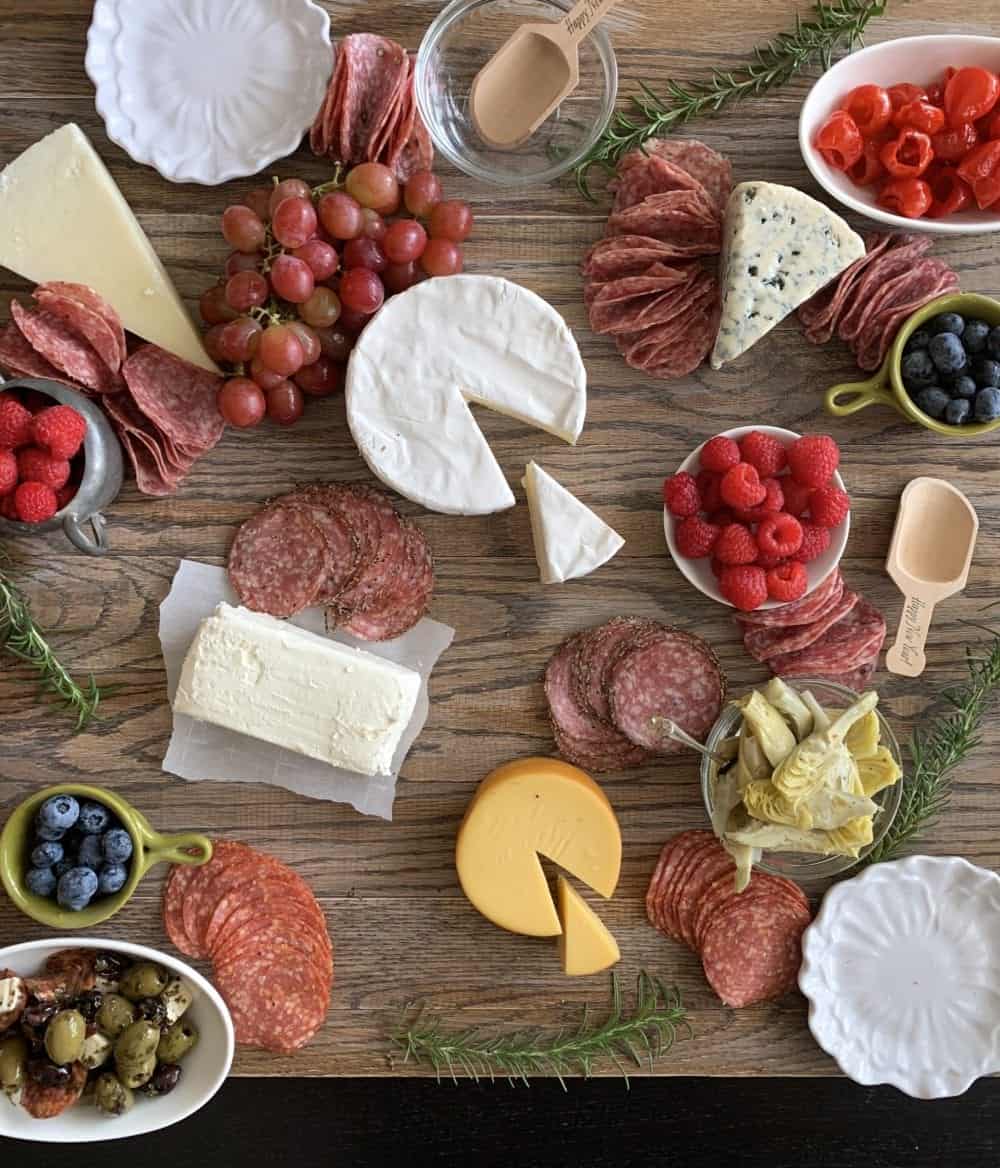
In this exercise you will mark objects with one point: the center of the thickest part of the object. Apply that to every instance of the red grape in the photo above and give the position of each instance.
(265, 378)
(404, 241)
(351, 321)
(308, 339)
(373, 225)
(285, 403)
(242, 229)
(375, 186)
(364, 253)
(399, 277)
(241, 402)
(292, 279)
(289, 188)
(239, 339)
(452, 220)
(441, 257)
(321, 378)
(340, 215)
(321, 257)
(361, 291)
(422, 193)
(321, 309)
(247, 290)
(293, 222)
(239, 261)
(259, 201)
(212, 341)
(336, 343)
(281, 350)
(214, 307)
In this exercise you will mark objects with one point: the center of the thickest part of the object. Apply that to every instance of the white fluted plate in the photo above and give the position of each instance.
(902, 971)
(208, 90)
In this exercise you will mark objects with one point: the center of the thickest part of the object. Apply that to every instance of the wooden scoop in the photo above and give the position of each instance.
(929, 559)
(530, 74)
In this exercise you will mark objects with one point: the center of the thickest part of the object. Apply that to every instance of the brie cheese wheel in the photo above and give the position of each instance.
(585, 946)
(434, 350)
(779, 247)
(570, 540)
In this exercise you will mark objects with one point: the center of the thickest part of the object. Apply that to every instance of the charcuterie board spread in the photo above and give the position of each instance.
(555, 503)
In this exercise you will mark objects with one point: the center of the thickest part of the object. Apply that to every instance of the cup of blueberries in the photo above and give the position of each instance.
(71, 856)
(943, 370)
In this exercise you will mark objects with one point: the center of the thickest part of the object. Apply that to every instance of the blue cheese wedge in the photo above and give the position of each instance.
(268, 679)
(570, 539)
(779, 248)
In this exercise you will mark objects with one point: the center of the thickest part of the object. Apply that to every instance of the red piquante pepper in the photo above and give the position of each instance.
(919, 115)
(839, 140)
(910, 197)
(870, 107)
(908, 155)
(868, 169)
(903, 93)
(970, 94)
(949, 192)
(953, 145)
(981, 170)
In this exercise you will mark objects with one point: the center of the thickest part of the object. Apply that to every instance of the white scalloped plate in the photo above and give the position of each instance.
(902, 971)
(208, 90)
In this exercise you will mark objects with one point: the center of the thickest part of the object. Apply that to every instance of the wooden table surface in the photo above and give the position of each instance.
(401, 927)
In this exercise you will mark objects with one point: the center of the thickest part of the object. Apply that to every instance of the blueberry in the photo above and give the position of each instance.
(91, 854)
(974, 335)
(94, 818)
(41, 881)
(47, 854)
(60, 812)
(993, 342)
(918, 370)
(947, 322)
(964, 386)
(988, 405)
(49, 834)
(112, 879)
(933, 401)
(958, 411)
(947, 353)
(117, 844)
(919, 340)
(77, 888)
(986, 372)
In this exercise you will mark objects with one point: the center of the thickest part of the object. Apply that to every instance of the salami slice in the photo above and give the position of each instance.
(596, 652)
(279, 561)
(650, 175)
(87, 298)
(636, 302)
(798, 612)
(174, 892)
(380, 530)
(372, 65)
(274, 1003)
(406, 597)
(711, 170)
(933, 279)
(86, 323)
(893, 262)
(341, 539)
(62, 347)
(321, 134)
(845, 646)
(264, 885)
(752, 952)
(682, 217)
(820, 315)
(763, 642)
(418, 152)
(631, 255)
(386, 125)
(19, 359)
(178, 398)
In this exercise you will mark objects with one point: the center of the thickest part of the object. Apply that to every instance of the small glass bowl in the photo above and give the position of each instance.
(461, 40)
(800, 866)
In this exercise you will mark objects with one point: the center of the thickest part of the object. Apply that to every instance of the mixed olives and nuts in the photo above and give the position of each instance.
(97, 1019)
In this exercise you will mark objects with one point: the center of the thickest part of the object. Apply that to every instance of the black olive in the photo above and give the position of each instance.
(110, 966)
(89, 1002)
(153, 1010)
(48, 1074)
(165, 1079)
(34, 1020)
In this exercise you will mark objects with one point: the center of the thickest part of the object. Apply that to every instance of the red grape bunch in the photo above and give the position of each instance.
(309, 269)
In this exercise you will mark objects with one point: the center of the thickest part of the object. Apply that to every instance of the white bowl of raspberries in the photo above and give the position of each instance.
(758, 516)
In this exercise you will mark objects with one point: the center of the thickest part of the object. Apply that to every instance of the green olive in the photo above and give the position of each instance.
(64, 1037)
(114, 1015)
(13, 1060)
(135, 1072)
(111, 1095)
(176, 997)
(144, 980)
(176, 1042)
(137, 1042)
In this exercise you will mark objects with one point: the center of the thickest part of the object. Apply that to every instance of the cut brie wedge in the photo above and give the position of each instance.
(570, 540)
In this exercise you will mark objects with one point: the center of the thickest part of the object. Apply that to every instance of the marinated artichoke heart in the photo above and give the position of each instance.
(791, 707)
(768, 727)
(821, 719)
(777, 837)
(824, 809)
(863, 737)
(822, 759)
(878, 771)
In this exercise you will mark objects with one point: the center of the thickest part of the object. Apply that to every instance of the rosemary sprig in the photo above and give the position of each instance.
(837, 25)
(938, 749)
(642, 1035)
(21, 637)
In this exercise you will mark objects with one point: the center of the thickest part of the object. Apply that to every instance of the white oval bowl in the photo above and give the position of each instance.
(205, 1068)
(919, 60)
(699, 572)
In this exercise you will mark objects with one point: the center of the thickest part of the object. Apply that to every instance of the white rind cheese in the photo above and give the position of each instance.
(779, 248)
(570, 540)
(64, 218)
(268, 679)
(434, 350)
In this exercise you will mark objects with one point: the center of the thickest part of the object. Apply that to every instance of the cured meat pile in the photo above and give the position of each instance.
(869, 301)
(833, 633)
(643, 283)
(749, 942)
(604, 685)
(162, 408)
(370, 113)
(265, 934)
(340, 546)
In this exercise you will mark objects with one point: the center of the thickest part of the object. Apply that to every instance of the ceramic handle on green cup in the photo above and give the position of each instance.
(858, 395)
(186, 848)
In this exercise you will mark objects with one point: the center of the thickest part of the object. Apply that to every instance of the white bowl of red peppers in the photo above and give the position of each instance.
(908, 132)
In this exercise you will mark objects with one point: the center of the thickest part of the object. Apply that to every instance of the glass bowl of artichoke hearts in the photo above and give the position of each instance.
(811, 782)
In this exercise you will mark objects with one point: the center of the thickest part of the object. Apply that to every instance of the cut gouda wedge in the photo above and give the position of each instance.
(585, 946)
(524, 810)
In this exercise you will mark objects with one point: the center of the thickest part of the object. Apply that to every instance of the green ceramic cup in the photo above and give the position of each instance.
(149, 848)
(886, 387)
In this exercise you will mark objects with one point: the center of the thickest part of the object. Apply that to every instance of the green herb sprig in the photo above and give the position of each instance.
(837, 26)
(938, 749)
(642, 1035)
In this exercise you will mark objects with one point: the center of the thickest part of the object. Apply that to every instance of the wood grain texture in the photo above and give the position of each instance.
(401, 927)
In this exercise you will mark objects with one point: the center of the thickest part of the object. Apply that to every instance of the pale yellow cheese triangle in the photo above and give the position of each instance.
(585, 946)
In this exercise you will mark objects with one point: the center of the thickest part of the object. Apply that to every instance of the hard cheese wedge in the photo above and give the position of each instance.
(64, 218)
(570, 540)
(585, 946)
(779, 247)
(435, 349)
(268, 679)
(526, 809)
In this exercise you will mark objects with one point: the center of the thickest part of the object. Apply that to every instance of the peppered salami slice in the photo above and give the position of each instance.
(752, 952)
(763, 642)
(278, 561)
(178, 398)
(86, 322)
(381, 531)
(798, 612)
(62, 347)
(708, 167)
(844, 646)
(595, 654)
(407, 596)
(19, 359)
(48, 1102)
(341, 539)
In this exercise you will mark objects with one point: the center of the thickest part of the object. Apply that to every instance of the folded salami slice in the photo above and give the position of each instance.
(77, 305)
(682, 217)
(650, 175)
(845, 646)
(177, 397)
(706, 166)
(635, 302)
(64, 348)
(820, 314)
(631, 255)
(19, 359)
(763, 642)
(798, 612)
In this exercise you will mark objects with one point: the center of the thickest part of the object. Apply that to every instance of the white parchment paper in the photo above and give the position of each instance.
(198, 750)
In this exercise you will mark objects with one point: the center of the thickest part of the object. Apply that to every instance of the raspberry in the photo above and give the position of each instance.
(774, 501)
(35, 502)
(764, 560)
(735, 545)
(812, 459)
(779, 535)
(787, 581)
(15, 423)
(829, 506)
(65, 495)
(796, 495)
(744, 586)
(708, 487)
(741, 487)
(681, 495)
(719, 454)
(8, 471)
(60, 430)
(815, 541)
(695, 537)
(8, 510)
(35, 466)
(763, 451)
